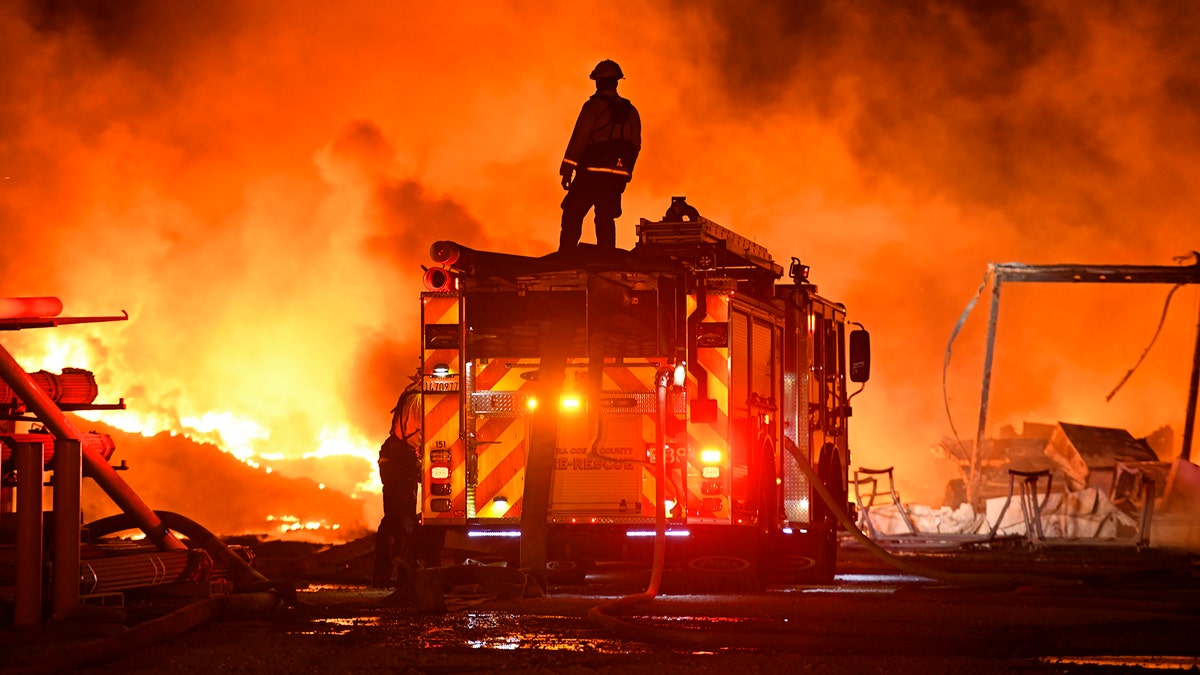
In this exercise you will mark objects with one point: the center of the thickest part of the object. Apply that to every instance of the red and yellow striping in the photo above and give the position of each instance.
(444, 499)
(704, 504)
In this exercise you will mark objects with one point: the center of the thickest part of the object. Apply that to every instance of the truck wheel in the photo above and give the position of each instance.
(832, 473)
(728, 562)
(768, 544)
(722, 574)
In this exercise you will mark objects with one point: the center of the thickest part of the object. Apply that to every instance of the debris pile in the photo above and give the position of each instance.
(1060, 482)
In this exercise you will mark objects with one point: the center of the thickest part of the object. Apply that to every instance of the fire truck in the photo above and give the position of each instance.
(595, 365)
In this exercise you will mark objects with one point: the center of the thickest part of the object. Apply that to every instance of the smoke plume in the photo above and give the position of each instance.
(258, 184)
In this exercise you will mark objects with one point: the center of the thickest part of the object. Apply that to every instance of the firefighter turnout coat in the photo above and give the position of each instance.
(607, 136)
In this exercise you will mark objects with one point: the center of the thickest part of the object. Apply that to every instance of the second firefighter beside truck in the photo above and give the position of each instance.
(599, 160)
(396, 542)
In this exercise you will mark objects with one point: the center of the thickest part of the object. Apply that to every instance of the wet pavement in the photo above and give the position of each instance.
(1113, 619)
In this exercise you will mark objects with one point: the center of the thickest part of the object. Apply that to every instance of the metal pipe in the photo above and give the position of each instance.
(68, 481)
(661, 380)
(974, 480)
(1189, 423)
(1127, 274)
(27, 608)
(95, 466)
(693, 329)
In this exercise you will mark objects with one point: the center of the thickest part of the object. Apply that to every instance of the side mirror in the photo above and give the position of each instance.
(860, 355)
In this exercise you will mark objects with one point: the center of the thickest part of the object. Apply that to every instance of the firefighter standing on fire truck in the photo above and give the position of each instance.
(400, 473)
(599, 160)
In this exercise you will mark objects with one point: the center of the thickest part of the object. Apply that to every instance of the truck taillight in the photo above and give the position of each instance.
(570, 403)
(439, 472)
(711, 472)
(710, 456)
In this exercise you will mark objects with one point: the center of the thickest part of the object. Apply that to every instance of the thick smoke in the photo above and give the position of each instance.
(258, 186)
(925, 140)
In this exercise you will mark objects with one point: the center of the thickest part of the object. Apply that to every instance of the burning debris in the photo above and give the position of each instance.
(128, 165)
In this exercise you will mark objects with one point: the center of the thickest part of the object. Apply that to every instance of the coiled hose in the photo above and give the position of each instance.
(253, 592)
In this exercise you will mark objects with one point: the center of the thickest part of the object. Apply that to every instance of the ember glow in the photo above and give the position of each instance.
(258, 185)
(288, 524)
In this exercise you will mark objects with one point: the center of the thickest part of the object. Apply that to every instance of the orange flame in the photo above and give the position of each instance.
(258, 189)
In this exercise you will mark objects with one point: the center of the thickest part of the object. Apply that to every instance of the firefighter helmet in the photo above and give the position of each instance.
(607, 69)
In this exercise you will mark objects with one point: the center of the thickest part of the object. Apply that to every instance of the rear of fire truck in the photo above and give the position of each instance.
(687, 341)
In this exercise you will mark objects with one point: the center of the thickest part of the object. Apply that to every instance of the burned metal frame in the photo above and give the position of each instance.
(1113, 274)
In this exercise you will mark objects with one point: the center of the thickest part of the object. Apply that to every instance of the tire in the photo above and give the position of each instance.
(722, 574)
(768, 541)
(832, 473)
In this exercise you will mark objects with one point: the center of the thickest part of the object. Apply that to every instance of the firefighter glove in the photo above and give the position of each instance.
(566, 170)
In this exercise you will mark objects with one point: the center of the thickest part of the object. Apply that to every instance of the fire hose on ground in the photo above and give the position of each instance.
(602, 614)
(245, 577)
(253, 592)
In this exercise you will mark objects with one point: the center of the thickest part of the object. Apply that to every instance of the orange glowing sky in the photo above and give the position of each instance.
(258, 183)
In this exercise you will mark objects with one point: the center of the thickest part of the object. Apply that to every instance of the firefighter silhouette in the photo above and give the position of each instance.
(599, 160)
(396, 541)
